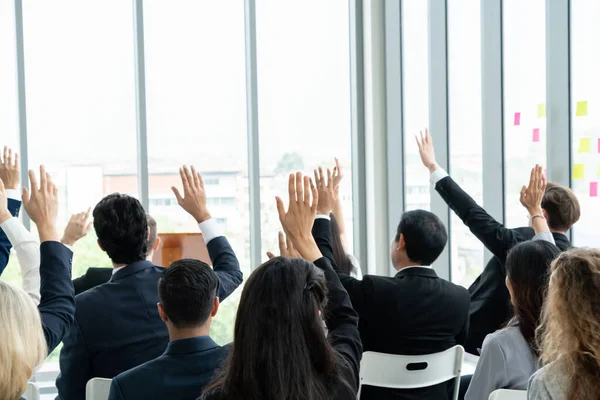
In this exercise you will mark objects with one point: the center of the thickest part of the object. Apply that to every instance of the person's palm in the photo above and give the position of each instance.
(426, 150)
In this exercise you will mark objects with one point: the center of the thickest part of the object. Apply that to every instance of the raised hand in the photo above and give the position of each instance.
(41, 204)
(9, 169)
(426, 150)
(286, 248)
(297, 222)
(326, 189)
(337, 178)
(4, 213)
(77, 228)
(194, 197)
(531, 195)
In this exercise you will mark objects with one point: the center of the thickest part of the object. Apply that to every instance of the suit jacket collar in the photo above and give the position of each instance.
(131, 269)
(561, 240)
(191, 345)
(424, 271)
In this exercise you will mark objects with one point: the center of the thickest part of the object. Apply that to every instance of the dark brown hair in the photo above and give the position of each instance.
(562, 207)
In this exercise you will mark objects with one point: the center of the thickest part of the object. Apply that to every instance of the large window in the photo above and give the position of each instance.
(196, 106)
(524, 98)
(464, 70)
(8, 73)
(304, 99)
(585, 114)
(416, 99)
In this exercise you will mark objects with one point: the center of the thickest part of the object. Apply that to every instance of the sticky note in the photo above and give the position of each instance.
(598, 172)
(598, 145)
(536, 135)
(517, 119)
(578, 171)
(541, 110)
(593, 189)
(585, 145)
(581, 109)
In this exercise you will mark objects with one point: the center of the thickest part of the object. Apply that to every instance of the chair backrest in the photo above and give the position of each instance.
(411, 372)
(504, 394)
(97, 389)
(32, 392)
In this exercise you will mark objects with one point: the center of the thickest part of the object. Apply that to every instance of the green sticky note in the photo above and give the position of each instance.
(578, 171)
(541, 110)
(585, 145)
(581, 108)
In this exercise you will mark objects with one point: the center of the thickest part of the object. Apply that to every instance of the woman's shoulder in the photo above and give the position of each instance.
(550, 382)
(510, 343)
(210, 395)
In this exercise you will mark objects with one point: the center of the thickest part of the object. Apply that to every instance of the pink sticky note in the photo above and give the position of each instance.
(593, 189)
(598, 145)
(517, 119)
(536, 135)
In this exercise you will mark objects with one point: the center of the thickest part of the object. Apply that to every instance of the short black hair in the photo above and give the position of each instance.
(187, 290)
(122, 228)
(425, 236)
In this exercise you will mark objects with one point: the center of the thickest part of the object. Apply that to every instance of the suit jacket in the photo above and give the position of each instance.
(93, 277)
(13, 207)
(117, 326)
(490, 300)
(179, 374)
(413, 313)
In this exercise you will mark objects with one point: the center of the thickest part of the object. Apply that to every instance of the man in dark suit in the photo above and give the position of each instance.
(117, 325)
(490, 303)
(9, 173)
(97, 276)
(188, 302)
(412, 313)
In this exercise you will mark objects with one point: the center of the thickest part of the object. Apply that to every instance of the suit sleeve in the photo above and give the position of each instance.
(355, 288)
(490, 373)
(57, 304)
(115, 391)
(463, 335)
(75, 366)
(13, 207)
(226, 266)
(495, 236)
(342, 322)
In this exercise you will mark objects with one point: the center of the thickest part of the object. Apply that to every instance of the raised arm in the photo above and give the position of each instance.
(494, 235)
(57, 305)
(338, 209)
(531, 198)
(9, 174)
(223, 258)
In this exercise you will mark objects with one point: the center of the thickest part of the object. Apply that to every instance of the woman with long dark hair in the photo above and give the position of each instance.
(280, 350)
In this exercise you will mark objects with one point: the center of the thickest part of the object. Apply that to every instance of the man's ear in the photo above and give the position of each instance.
(162, 313)
(401, 243)
(100, 245)
(215, 307)
(157, 244)
(545, 213)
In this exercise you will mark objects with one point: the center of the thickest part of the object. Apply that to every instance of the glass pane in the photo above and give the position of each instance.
(81, 105)
(464, 69)
(197, 116)
(304, 99)
(585, 113)
(524, 98)
(8, 77)
(416, 99)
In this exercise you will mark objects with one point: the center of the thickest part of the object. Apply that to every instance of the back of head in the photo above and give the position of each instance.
(280, 350)
(425, 236)
(562, 207)
(23, 346)
(122, 228)
(570, 330)
(153, 233)
(340, 257)
(187, 290)
(527, 268)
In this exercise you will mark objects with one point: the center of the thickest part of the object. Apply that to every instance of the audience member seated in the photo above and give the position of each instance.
(279, 349)
(29, 334)
(413, 313)
(94, 276)
(489, 296)
(570, 331)
(117, 325)
(9, 174)
(188, 302)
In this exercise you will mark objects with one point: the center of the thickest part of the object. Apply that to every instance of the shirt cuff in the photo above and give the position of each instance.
(323, 216)
(13, 194)
(210, 230)
(16, 232)
(437, 176)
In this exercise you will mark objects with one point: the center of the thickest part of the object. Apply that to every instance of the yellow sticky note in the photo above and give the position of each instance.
(578, 171)
(585, 145)
(581, 108)
(541, 110)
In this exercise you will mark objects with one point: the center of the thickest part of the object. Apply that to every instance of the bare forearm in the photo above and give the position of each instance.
(338, 213)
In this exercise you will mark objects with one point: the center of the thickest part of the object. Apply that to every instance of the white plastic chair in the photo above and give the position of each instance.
(32, 392)
(411, 372)
(97, 389)
(504, 394)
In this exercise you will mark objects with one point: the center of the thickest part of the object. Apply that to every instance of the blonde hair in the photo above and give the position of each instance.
(22, 343)
(570, 331)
